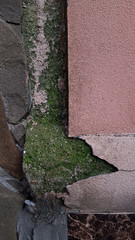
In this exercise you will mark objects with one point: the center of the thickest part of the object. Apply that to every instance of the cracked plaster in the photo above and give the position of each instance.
(107, 193)
(116, 150)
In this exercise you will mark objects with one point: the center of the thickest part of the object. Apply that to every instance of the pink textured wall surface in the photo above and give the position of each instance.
(101, 63)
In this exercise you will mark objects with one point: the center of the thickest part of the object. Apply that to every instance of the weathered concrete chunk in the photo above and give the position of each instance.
(11, 10)
(101, 56)
(13, 74)
(10, 203)
(108, 193)
(10, 156)
(116, 150)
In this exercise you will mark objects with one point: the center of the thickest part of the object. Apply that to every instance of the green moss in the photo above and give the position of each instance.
(52, 160)
(30, 32)
(29, 24)
(50, 76)
(60, 159)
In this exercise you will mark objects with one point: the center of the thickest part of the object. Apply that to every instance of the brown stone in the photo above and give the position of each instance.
(11, 10)
(13, 74)
(107, 193)
(116, 150)
(101, 56)
(10, 157)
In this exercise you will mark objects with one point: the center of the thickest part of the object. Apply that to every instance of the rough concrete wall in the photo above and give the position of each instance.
(101, 55)
(101, 99)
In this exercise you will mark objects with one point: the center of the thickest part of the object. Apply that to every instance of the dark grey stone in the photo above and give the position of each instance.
(51, 222)
(14, 86)
(57, 230)
(26, 190)
(9, 181)
(18, 131)
(11, 10)
(10, 157)
(10, 203)
(46, 220)
(25, 224)
(17, 29)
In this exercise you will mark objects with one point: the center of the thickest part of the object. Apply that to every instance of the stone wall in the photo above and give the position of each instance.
(53, 161)
(14, 106)
(14, 88)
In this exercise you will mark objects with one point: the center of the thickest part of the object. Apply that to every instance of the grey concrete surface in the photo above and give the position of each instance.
(107, 193)
(116, 150)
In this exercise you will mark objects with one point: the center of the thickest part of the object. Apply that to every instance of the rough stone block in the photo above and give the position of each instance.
(52, 221)
(9, 181)
(11, 10)
(10, 203)
(10, 156)
(25, 224)
(18, 131)
(101, 57)
(108, 193)
(48, 221)
(13, 74)
(17, 29)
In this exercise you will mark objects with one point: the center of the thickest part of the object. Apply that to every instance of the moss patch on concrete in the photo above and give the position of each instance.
(29, 24)
(57, 159)
(52, 160)
(29, 31)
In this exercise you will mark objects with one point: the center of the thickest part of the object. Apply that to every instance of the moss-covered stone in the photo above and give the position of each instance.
(53, 160)
(30, 32)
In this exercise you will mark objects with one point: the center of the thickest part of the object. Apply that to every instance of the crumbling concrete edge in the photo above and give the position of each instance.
(118, 150)
(111, 193)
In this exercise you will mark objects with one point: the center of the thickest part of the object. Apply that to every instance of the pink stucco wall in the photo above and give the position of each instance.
(101, 63)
